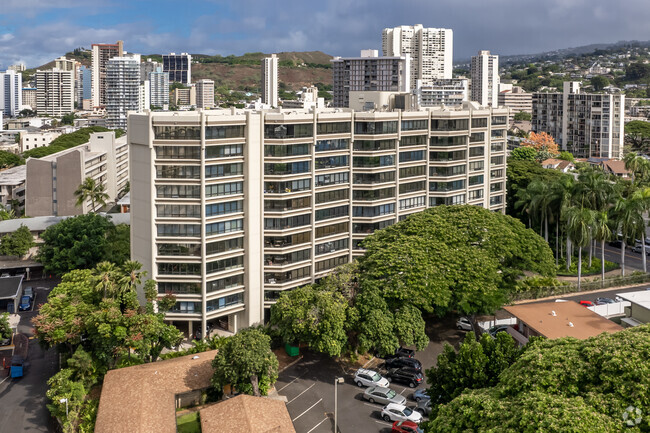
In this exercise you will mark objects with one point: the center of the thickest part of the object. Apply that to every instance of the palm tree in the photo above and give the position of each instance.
(131, 276)
(642, 197)
(90, 189)
(580, 222)
(629, 221)
(602, 233)
(540, 191)
(106, 273)
(561, 193)
(524, 201)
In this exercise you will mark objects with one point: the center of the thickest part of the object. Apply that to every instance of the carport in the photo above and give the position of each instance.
(10, 291)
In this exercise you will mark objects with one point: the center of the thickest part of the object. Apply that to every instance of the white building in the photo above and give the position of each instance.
(32, 140)
(29, 98)
(485, 79)
(230, 208)
(515, 98)
(144, 98)
(101, 54)
(55, 92)
(448, 92)
(159, 84)
(270, 80)
(430, 49)
(122, 90)
(204, 93)
(11, 94)
(179, 67)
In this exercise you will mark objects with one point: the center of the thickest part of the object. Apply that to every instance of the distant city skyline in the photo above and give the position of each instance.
(37, 31)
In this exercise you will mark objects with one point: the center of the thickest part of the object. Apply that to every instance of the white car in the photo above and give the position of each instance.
(399, 412)
(365, 377)
(464, 324)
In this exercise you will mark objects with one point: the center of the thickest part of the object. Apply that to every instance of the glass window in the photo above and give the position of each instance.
(496, 173)
(449, 124)
(178, 152)
(374, 211)
(447, 171)
(330, 247)
(410, 203)
(417, 155)
(185, 307)
(287, 187)
(279, 168)
(179, 288)
(476, 137)
(412, 125)
(332, 178)
(374, 194)
(281, 150)
(499, 120)
(178, 172)
(287, 259)
(332, 229)
(225, 302)
(288, 131)
(494, 187)
(224, 264)
(179, 249)
(224, 283)
(221, 189)
(371, 227)
(476, 180)
(178, 210)
(222, 170)
(224, 208)
(287, 241)
(179, 268)
(496, 160)
(287, 223)
(415, 140)
(456, 140)
(475, 194)
(178, 191)
(331, 263)
(336, 144)
(373, 145)
(285, 277)
(332, 162)
(224, 227)
(447, 156)
(333, 212)
(496, 200)
(289, 204)
(370, 128)
(373, 178)
(406, 188)
(454, 199)
(479, 122)
(447, 186)
(224, 131)
(476, 151)
(224, 151)
(333, 127)
(406, 172)
(476, 165)
(177, 132)
(185, 230)
(374, 161)
(329, 196)
(224, 246)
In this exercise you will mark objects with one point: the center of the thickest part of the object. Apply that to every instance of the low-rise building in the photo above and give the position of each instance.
(558, 164)
(615, 167)
(450, 92)
(34, 139)
(12, 188)
(638, 313)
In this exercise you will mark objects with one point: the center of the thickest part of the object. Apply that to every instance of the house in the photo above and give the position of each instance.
(558, 164)
(638, 313)
(245, 413)
(615, 167)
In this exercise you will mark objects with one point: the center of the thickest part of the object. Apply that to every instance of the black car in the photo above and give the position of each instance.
(402, 352)
(404, 362)
(616, 243)
(406, 375)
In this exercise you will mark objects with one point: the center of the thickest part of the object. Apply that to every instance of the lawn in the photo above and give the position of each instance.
(188, 423)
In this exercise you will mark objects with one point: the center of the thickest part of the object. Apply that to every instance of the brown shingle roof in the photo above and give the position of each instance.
(585, 322)
(246, 414)
(615, 166)
(141, 399)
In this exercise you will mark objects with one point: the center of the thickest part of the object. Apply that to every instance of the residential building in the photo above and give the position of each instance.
(54, 92)
(270, 80)
(64, 64)
(84, 100)
(204, 93)
(144, 97)
(308, 99)
(515, 98)
(101, 54)
(32, 140)
(123, 90)
(149, 66)
(11, 95)
(179, 67)
(558, 164)
(20, 67)
(12, 188)
(232, 207)
(159, 85)
(53, 179)
(448, 92)
(29, 97)
(184, 97)
(585, 124)
(430, 50)
(615, 167)
(485, 79)
(369, 72)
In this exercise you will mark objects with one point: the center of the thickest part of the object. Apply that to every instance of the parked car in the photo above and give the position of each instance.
(421, 394)
(586, 303)
(364, 377)
(493, 331)
(406, 427)
(379, 394)
(399, 412)
(464, 324)
(617, 243)
(406, 375)
(603, 301)
(29, 291)
(424, 407)
(402, 352)
(404, 362)
(25, 303)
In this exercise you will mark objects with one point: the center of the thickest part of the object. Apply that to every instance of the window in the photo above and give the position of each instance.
(178, 191)
(330, 247)
(373, 145)
(416, 140)
(236, 169)
(499, 120)
(179, 268)
(496, 160)
(476, 137)
(224, 283)
(178, 152)
(375, 127)
(496, 147)
(224, 189)
(447, 156)
(328, 145)
(281, 150)
(286, 241)
(413, 125)
(177, 132)
(447, 171)
(496, 200)
(332, 229)
(225, 131)
(331, 263)
(480, 122)
(457, 140)
(498, 133)
(496, 173)
(280, 168)
(476, 180)
(406, 188)
(454, 199)
(332, 162)
(410, 203)
(289, 131)
(178, 210)
(329, 196)
(494, 187)
(371, 227)
(476, 151)
(417, 155)
(476, 166)
(287, 223)
(449, 124)
(373, 178)
(224, 264)
(374, 211)
(332, 178)
(183, 307)
(178, 172)
(374, 161)
(224, 227)
(287, 259)
(226, 301)
(289, 204)
(224, 151)
(475, 194)
(406, 172)
(333, 128)
(179, 249)
(285, 277)
(333, 212)
(447, 186)
(224, 208)
(374, 194)
(287, 187)
(179, 288)
(224, 246)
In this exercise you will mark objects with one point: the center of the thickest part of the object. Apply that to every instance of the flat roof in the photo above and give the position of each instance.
(14, 175)
(539, 317)
(640, 297)
(10, 286)
(142, 398)
(246, 413)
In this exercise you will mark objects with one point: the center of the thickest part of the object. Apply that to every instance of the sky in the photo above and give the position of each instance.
(37, 31)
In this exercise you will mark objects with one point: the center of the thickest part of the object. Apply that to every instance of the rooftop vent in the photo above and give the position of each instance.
(571, 324)
(553, 313)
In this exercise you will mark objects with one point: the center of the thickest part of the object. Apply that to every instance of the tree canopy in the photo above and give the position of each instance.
(524, 153)
(541, 142)
(8, 159)
(523, 115)
(637, 135)
(17, 243)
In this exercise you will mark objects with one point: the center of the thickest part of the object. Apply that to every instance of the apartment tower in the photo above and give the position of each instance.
(11, 95)
(179, 67)
(55, 92)
(101, 54)
(123, 93)
(270, 80)
(204, 93)
(485, 79)
(159, 84)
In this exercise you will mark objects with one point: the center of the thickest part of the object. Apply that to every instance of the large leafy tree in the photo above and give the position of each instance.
(246, 361)
(17, 243)
(524, 153)
(637, 135)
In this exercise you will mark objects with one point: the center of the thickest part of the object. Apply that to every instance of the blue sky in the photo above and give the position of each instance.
(36, 31)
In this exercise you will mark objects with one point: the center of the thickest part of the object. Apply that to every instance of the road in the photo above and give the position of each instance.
(23, 401)
(633, 261)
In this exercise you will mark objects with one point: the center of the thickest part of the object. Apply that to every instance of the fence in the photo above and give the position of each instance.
(544, 291)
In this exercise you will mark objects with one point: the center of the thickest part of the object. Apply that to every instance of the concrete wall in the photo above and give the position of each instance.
(38, 185)
(69, 169)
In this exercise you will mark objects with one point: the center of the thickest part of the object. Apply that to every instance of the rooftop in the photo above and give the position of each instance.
(641, 297)
(570, 320)
(245, 413)
(9, 287)
(14, 175)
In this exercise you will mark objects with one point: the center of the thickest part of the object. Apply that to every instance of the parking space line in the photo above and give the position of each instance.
(302, 393)
(291, 382)
(310, 408)
(314, 428)
(402, 393)
(370, 404)
(384, 423)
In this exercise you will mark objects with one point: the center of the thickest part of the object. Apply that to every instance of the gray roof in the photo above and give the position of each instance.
(10, 286)
(13, 176)
(39, 224)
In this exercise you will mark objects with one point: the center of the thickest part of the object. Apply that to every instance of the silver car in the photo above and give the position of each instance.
(380, 394)
(365, 377)
(424, 407)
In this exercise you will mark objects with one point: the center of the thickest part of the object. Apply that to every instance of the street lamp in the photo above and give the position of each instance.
(65, 400)
(336, 401)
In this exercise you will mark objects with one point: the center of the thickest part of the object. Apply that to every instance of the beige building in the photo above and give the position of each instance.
(204, 93)
(12, 188)
(515, 98)
(29, 97)
(32, 140)
(638, 313)
(184, 97)
(101, 54)
(54, 92)
(52, 180)
(229, 208)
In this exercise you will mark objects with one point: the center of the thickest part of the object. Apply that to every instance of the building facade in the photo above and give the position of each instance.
(53, 179)
(585, 124)
(32, 140)
(485, 79)
(430, 50)
(29, 97)
(448, 92)
(230, 208)
(55, 94)
(101, 54)
(159, 84)
(11, 94)
(184, 97)
(85, 86)
(270, 80)
(123, 93)
(179, 67)
(515, 98)
(205, 93)
(368, 73)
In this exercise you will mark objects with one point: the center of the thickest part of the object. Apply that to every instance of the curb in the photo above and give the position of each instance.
(291, 364)
(588, 292)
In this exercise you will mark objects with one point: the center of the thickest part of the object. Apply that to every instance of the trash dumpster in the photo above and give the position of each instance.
(292, 350)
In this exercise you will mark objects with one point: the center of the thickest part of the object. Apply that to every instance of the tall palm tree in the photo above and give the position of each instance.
(580, 222)
(628, 217)
(602, 233)
(130, 276)
(541, 203)
(524, 201)
(561, 193)
(91, 189)
(106, 273)
(642, 197)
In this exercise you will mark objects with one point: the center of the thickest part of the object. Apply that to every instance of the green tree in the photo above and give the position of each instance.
(8, 159)
(637, 135)
(599, 83)
(17, 243)
(523, 154)
(628, 220)
(91, 190)
(602, 233)
(580, 221)
(5, 328)
(68, 119)
(118, 244)
(523, 115)
(246, 362)
(566, 156)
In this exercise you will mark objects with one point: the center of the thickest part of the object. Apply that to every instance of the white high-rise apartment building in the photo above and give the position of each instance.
(11, 93)
(122, 90)
(230, 208)
(430, 49)
(159, 84)
(444, 92)
(205, 93)
(101, 54)
(585, 124)
(55, 94)
(270, 80)
(179, 67)
(485, 79)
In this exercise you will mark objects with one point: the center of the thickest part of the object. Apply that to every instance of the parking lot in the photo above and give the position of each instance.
(309, 388)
